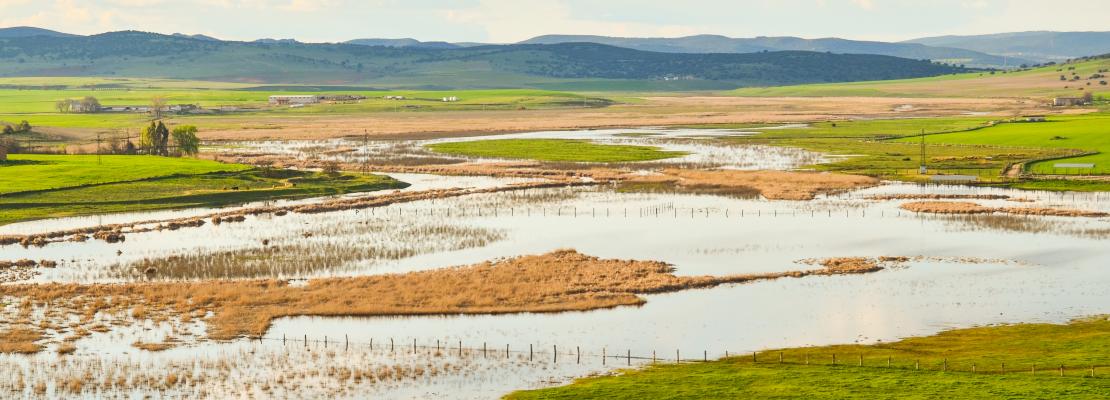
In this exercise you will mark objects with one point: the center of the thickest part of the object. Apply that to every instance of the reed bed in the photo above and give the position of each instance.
(331, 249)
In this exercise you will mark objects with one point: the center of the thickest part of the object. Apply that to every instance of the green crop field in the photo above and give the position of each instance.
(963, 364)
(1089, 133)
(48, 186)
(33, 99)
(554, 150)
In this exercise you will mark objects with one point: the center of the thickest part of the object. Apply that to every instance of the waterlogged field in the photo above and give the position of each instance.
(431, 332)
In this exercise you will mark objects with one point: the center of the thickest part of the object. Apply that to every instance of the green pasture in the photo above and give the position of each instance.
(37, 187)
(553, 150)
(1089, 133)
(30, 172)
(963, 364)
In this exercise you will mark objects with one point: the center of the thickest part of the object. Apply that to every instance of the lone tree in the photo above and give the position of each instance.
(24, 126)
(185, 138)
(8, 130)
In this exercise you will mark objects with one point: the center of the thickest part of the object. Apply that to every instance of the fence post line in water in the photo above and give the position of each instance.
(390, 345)
(554, 354)
(677, 357)
(460, 349)
(529, 352)
(602, 356)
(780, 357)
(506, 350)
(629, 360)
(306, 340)
(578, 350)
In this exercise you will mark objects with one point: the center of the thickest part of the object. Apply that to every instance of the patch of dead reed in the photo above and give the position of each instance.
(948, 207)
(562, 280)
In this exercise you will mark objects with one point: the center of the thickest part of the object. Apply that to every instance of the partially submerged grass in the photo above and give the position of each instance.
(926, 367)
(553, 150)
(558, 281)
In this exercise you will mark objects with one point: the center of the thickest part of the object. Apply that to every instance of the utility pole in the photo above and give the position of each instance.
(924, 169)
(98, 148)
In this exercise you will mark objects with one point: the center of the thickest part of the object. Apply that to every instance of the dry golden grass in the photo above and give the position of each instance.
(166, 345)
(949, 207)
(20, 340)
(559, 281)
(776, 185)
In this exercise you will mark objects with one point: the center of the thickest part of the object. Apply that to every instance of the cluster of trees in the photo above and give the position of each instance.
(157, 139)
(23, 127)
(88, 104)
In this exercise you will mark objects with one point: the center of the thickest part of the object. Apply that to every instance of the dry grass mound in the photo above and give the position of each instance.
(775, 185)
(946, 207)
(563, 280)
(20, 341)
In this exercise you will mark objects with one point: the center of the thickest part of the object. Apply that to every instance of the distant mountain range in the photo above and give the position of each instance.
(141, 54)
(1041, 46)
(1003, 50)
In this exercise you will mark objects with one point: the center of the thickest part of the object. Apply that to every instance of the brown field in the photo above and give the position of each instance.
(563, 280)
(652, 111)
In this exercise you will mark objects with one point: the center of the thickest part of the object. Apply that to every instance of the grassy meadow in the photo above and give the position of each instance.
(553, 150)
(49, 186)
(1089, 133)
(965, 364)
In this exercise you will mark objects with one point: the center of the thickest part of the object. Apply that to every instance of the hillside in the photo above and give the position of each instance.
(28, 31)
(1041, 46)
(140, 54)
(723, 44)
(1042, 83)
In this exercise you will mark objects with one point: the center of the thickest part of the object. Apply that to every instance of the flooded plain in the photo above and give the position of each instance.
(964, 270)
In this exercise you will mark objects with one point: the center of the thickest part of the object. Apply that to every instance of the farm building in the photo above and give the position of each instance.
(294, 99)
(450, 99)
(1035, 118)
(1068, 101)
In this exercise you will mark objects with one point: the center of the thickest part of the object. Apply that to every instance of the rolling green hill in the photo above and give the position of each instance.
(139, 54)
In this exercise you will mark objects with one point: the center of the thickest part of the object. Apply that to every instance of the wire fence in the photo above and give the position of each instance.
(611, 356)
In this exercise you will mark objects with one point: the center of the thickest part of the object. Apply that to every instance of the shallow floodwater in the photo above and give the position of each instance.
(970, 270)
(701, 152)
(700, 235)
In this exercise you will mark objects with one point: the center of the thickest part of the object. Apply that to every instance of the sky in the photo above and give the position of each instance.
(506, 21)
